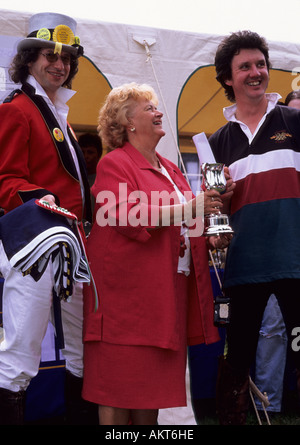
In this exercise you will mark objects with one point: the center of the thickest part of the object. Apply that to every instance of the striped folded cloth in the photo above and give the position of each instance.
(34, 234)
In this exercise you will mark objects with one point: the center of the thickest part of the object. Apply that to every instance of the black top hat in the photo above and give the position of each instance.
(49, 29)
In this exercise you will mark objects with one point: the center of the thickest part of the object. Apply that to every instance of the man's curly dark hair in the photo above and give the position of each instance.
(231, 46)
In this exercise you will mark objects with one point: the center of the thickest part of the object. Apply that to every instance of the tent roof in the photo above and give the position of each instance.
(180, 69)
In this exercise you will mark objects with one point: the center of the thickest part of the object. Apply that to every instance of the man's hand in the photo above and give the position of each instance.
(50, 199)
(220, 242)
(230, 186)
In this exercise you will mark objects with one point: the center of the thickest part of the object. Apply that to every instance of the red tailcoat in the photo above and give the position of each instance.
(31, 164)
(135, 268)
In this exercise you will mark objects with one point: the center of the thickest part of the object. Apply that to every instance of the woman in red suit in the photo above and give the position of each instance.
(150, 267)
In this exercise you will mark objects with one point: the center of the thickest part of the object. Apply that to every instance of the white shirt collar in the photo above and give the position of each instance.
(60, 110)
(229, 112)
(63, 95)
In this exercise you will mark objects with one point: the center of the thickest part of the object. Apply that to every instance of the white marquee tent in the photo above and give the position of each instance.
(179, 65)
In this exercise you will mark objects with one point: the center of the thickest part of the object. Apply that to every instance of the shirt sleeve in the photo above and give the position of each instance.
(119, 203)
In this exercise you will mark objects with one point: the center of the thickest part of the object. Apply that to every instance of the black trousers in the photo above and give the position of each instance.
(248, 303)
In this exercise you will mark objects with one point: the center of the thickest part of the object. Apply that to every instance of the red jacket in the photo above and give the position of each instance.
(135, 268)
(31, 165)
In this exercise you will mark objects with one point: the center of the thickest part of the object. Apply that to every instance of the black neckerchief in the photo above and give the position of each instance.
(62, 146)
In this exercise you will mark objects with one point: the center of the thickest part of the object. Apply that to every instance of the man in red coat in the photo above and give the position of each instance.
(40, 158)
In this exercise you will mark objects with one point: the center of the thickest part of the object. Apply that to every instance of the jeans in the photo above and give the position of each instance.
(271, 356)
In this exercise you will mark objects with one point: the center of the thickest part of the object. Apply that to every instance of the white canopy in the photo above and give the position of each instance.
(179, 65)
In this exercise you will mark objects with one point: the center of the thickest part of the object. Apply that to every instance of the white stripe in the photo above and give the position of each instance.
(271, 160)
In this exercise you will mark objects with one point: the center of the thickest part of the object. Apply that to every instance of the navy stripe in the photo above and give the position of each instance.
(266, 244)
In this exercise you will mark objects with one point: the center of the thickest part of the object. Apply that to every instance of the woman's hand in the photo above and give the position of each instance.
(212, 202)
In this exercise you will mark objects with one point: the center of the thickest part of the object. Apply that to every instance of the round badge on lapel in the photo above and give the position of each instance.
(58, 134)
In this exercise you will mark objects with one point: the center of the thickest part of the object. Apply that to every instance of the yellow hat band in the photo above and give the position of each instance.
(62, 34)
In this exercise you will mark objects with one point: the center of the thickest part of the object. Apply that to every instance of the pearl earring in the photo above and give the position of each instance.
(132, 129)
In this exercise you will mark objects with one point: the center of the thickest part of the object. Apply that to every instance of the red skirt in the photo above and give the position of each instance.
(138, 377)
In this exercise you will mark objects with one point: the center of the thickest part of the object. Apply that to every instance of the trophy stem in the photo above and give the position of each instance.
(216, 224)
(214, 178)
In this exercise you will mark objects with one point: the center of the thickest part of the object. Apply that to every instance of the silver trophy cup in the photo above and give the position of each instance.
(214, 178)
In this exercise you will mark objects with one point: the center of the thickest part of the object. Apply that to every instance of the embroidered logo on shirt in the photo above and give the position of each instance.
(280, 136)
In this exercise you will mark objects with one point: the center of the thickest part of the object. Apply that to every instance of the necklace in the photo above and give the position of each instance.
(159, 164)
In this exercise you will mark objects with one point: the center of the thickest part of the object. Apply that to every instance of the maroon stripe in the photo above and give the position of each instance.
(265, 186)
